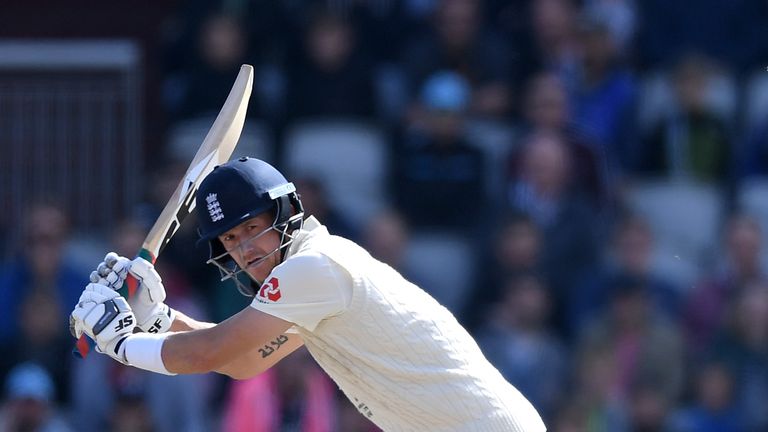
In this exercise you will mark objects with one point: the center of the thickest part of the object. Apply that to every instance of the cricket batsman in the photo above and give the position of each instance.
(399, 356)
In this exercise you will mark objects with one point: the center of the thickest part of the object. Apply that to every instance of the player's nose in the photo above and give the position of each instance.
(248, 249)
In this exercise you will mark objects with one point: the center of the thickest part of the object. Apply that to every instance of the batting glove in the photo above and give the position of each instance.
(105, 317)
(152, 314)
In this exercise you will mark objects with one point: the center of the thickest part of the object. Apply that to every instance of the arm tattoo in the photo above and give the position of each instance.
(273, 346)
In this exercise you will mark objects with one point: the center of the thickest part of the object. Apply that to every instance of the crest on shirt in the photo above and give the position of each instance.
(269, 291)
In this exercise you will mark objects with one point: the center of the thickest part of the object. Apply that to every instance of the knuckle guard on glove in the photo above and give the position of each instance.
(110, 312)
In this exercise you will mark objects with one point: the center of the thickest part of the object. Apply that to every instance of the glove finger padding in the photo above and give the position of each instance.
(74, 329)
(152, 289)
(153, 315)
(112, 271)
(119, 266)
(93, 297)
(101, 289)
(96, 293)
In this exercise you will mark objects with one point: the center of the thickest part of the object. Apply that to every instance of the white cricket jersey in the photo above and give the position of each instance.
(398, 355)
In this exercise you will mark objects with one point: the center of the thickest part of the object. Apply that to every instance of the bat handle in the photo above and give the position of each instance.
(84, 344)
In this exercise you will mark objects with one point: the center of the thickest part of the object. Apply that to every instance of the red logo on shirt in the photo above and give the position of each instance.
(270, 290)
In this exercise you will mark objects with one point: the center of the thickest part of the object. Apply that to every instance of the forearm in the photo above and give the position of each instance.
(213, 348)
(260, 359)
(184, 323)
(194, 351)
(253, 362)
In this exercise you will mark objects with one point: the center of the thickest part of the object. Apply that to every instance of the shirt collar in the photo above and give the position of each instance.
(310, 228)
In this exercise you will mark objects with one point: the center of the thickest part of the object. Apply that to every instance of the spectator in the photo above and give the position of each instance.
(130, 414)
(546, 106)
(29, 403)
(629, 256)
(440, 173)
(739, 266)
(639, 346)
(516, 339)
(547, 110)
(743, 345)
(648, 408)
(713, 408)
(693, 141)
(386, 26)
(553, 45)
(514, 249)
(200, 89)
(42, 340)
(457, 41)
(42, 267)
(620, 17)
(542, 188)
(330, 75)
(593, 405)
(604, 93)
(571, 417)
(38, 288)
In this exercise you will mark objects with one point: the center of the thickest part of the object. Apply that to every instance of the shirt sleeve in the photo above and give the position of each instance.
(304, 290)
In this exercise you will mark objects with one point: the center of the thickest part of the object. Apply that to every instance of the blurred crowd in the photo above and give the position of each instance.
(583, 183)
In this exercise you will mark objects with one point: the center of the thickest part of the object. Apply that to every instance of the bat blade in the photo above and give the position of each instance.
(216, 149)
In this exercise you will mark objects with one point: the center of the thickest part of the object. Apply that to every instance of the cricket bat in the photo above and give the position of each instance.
(216, 149)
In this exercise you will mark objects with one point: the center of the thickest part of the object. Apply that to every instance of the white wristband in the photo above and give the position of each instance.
(144, 351)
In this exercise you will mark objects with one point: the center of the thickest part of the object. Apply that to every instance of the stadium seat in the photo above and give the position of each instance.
(657, 98)
(655, 102)
(685, 218)
(496, 140)
(391, 92)
(350, 157)
(753, 199)
(756, 101)
(443, 264)
(186, 136)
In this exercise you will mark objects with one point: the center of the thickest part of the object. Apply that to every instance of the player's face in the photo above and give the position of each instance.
(254, 245)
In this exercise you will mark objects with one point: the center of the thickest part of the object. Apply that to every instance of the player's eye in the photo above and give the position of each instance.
(228, 238)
